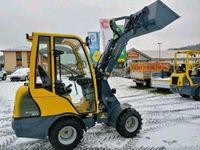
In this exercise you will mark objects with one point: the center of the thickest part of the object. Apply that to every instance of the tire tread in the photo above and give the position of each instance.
(53, 135)
(120, 127)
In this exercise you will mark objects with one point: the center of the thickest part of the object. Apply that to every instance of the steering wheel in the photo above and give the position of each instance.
(62, 89)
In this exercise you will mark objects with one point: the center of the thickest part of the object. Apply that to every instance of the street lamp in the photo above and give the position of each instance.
(159, 47)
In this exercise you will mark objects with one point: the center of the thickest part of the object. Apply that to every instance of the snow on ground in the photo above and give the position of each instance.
(169, 121)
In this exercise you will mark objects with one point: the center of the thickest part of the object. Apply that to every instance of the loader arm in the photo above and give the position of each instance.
(116, 45)
(151, 18)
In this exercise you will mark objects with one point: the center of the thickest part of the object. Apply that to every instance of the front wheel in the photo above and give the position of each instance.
(185, 96)
(139, 84)
(26, 78)
(129, 123)
(197, 94)
(66, 134)
(148, 83)
(4, 77)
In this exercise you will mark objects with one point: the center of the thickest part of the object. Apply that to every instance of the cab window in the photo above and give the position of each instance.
(72, 74)
(43, 67)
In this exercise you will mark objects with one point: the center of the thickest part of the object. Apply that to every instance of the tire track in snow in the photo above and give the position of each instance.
(101, 137)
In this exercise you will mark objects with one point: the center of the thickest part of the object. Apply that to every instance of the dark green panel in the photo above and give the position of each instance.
(28, 107)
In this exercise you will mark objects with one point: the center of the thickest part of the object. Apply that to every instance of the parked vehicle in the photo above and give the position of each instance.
(161, 80)
(21, 74)
(141, 72)
(3, 74)
(185, 79)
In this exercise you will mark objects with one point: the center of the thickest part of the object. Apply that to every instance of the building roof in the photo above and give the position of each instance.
(19, 48)
(140, 52)
(164, 54)
(154, 54)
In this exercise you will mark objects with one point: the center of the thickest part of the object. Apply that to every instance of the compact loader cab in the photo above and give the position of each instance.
(185, 79)
(65, 71)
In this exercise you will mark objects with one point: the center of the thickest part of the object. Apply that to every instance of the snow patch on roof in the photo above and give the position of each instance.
(19, 48)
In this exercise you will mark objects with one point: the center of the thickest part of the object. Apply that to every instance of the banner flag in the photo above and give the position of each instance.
(94, 46)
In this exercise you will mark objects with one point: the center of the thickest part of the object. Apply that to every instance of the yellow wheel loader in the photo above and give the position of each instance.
(185, 79)
(66, 95)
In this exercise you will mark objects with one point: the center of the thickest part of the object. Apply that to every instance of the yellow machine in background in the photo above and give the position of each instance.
(185, 79)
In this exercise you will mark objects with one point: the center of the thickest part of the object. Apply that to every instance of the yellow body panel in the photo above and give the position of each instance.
(48, 102)
(180, 78)
(18, 97)
(54, 106)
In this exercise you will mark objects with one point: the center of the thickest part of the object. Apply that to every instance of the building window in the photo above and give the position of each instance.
(18, 58)
(28, 58)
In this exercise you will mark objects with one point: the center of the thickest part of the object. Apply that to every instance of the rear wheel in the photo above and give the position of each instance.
(139, 84)
(4, 77)
(197, 94)
(129, 123)
(185, 96)
(26, 78)
(148, 83)
(66, 134)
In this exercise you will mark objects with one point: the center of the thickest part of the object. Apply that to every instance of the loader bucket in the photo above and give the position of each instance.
(156, 16)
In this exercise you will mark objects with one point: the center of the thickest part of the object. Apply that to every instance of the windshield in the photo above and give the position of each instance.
(73, 77)
(21, 71)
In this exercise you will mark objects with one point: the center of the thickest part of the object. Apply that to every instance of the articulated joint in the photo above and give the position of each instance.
(106, 75)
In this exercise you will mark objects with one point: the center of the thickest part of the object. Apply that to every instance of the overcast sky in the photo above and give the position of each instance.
(18, 17)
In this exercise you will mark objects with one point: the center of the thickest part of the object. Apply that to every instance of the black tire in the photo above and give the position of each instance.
(197, 94)
(4, 77)
(185, 96)
(57, 141)
(122, 120)
(26, 78)
(139, 84)
(148, 83)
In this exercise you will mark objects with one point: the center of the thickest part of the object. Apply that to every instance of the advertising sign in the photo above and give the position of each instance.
(94, 46)
(122, 57)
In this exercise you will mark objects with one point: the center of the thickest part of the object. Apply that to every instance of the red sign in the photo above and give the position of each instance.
(104, 23)
(132, 55)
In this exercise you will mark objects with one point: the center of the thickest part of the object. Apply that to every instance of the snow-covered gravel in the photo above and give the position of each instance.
(169, 121)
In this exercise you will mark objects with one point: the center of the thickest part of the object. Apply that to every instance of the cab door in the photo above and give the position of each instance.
(61, 76)
(42, 75)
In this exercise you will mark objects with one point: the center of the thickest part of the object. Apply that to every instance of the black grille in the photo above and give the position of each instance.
(174, 80)
(15, 78)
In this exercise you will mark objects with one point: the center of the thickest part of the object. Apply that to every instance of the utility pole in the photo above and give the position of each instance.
(159, 47)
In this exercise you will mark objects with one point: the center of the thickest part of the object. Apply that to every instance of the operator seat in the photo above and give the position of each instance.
(46, 82)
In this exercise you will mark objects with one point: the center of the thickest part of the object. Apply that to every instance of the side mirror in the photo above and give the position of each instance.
(87, 41)
(28, 37)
